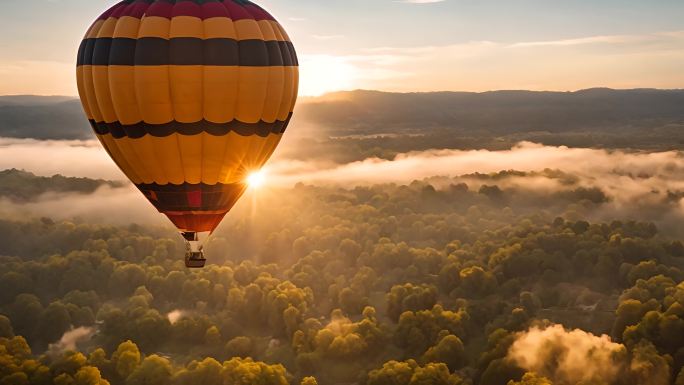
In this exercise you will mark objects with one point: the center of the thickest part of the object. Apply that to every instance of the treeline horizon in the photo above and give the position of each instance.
(354, 125)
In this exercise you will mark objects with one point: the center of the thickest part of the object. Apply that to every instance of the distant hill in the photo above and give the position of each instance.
(40, 117)
(381, 123)
(365, 112)
(23, 186)
(32, 100)
(360, 124)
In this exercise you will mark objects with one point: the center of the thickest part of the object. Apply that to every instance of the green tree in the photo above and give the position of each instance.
(248, 372)
(89, 375)
(531, 379)
(410, 373)
(205, 372)
(69, 363)
(309, 381)
(417, 331)
(153, 370)
(499, 372)
(449, 350)
(6, 330)
(434, 374)
(352, 301)
(213, 336)
(410, 297)
(12, 284)
(126, 359)
(16, 378)
(648, 366)
(239, 347)
(54, 322)
(475, 281)
(393, 373)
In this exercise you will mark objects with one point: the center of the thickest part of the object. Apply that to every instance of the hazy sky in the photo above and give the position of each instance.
(404, 45)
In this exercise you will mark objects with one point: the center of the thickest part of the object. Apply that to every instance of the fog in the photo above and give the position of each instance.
(624, 174)
(639, 185)
(569, 357)
(65, 157)
(176, 316)
(119, 206)
(70, 340)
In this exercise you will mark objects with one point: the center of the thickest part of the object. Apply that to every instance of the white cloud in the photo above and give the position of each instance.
(327, 37)
(576, 356)
(660, 37)
(71, 158)
(420, 1)
(70, 340)
(611, 170)
(620, 61)
(637, 183)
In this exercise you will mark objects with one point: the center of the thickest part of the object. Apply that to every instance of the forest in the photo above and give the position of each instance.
(442, 281)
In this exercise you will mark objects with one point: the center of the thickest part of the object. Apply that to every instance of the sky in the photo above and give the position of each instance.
(403, 45)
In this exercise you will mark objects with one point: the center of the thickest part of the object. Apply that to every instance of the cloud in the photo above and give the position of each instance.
(328, 37)
(659, 37)
(575, 356)
(617, 61)
(70, 339)
(84, 158)
(176, 316)
(640, 185)
(568, 357)
(582, 41)
(120, 206)
(626, 175)
(420, 1)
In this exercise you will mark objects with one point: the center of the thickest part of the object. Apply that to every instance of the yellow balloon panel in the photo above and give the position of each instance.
(194, 159)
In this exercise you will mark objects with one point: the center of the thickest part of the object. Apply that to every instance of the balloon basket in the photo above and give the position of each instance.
(194, 256)
(195, 260)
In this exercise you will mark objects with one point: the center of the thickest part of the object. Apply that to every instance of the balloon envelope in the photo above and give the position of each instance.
(188, 98)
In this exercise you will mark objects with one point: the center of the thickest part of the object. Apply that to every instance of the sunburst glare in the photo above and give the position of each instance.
(256, 179)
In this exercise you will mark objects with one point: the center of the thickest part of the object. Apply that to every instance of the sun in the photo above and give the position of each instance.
(321, 74)
(256, 179)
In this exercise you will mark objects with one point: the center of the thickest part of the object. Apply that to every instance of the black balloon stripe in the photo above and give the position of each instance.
(187, 187)
(139, 130)
(149, 51)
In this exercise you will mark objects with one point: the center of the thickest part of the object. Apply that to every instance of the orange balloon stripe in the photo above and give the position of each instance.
(164, 160)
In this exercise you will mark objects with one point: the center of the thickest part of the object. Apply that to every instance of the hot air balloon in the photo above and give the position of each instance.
(188, 97)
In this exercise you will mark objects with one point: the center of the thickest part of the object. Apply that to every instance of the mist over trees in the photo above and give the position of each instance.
(23, 186)
(424, 283)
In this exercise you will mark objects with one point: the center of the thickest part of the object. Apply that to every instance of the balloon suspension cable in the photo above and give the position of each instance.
(194, 254)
